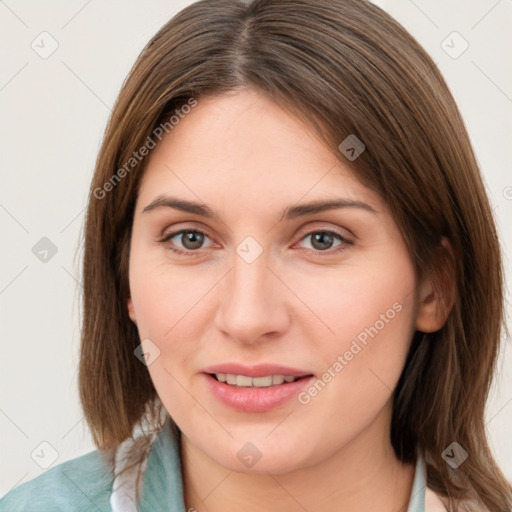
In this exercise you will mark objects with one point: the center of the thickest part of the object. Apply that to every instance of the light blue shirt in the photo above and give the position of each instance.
(84, 484)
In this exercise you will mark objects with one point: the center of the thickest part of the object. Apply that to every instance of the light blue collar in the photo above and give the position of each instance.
(419, 485)
(163, 485)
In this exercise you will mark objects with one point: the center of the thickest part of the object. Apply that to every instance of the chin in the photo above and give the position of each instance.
(258, 456)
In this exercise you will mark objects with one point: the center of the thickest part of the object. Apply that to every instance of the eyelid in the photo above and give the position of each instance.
(183, 226)
(344, 233)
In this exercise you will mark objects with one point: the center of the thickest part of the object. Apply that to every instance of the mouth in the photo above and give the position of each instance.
(260, 394)
(244, 381)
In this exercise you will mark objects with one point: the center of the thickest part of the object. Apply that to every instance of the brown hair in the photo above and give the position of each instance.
(345, 67)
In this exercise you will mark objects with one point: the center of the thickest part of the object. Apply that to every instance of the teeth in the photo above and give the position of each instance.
(242, 380)
(257, 382)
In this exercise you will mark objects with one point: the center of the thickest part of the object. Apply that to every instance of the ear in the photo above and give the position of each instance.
(437, 292)
(131, 311)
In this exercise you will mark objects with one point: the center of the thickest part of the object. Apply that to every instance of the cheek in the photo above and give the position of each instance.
(373, 300)
(170, 303)
(367, 319)
(167, 302)
(165, 296)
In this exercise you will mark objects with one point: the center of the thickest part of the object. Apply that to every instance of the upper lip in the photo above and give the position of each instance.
(259, 370)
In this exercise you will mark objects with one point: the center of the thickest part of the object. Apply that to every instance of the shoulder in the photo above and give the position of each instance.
(77, 485)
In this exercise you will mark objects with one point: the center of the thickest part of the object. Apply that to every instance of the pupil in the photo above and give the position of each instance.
(193, 238)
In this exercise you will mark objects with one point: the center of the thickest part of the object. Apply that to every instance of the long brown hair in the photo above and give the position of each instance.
(345, 67)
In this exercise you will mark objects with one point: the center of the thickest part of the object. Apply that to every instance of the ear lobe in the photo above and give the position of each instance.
(437, 292)
(131, 311)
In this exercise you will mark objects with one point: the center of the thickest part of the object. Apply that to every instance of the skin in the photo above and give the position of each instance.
(248, 159)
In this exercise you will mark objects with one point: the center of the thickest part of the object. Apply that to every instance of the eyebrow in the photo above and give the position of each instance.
(290, 212)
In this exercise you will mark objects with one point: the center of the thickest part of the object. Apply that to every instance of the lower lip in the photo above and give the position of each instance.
(252, 399)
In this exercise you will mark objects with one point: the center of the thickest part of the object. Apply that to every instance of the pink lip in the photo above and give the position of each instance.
(252, 399)
(260, 370)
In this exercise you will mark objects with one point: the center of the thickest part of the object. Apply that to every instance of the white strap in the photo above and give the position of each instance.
(124, 489)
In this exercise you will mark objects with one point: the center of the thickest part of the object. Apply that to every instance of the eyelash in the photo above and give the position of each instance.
(329, 252)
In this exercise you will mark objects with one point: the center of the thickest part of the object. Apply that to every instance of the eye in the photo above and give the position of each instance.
(191, 240)
(322, 240)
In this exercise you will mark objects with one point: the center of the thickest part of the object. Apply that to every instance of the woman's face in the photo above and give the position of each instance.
(258, 290)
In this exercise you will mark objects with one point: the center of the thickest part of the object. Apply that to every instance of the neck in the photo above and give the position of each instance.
(363, 475)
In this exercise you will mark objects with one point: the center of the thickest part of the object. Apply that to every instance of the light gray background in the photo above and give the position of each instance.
(53, 112)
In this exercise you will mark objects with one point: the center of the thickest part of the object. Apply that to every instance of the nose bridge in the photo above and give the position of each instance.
(252, 303)
(249, 279)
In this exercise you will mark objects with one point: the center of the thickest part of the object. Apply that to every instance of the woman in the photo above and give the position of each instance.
(292, 280)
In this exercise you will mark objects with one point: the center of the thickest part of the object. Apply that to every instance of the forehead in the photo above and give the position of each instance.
(242, 146)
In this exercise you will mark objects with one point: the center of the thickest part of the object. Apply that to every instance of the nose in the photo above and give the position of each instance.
(253, 303)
